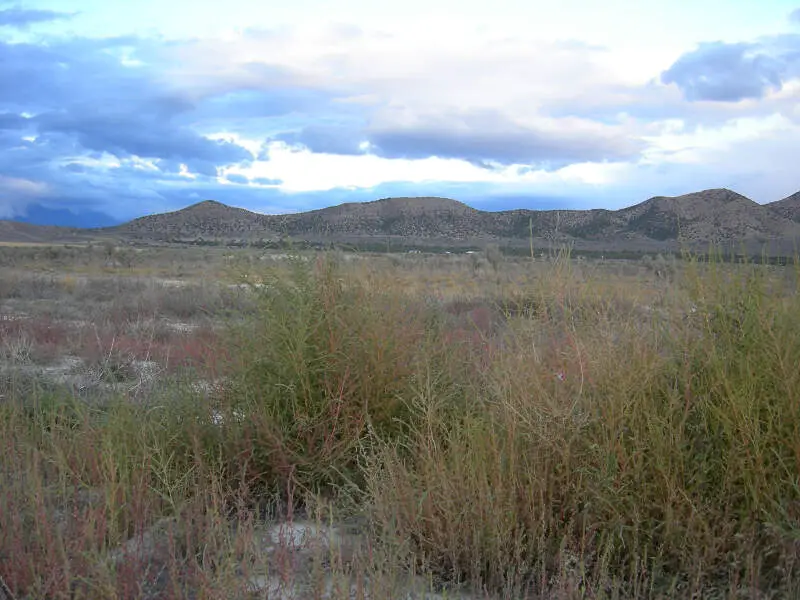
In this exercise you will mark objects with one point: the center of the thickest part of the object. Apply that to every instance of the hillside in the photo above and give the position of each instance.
(716, 215)
(709, 216)
(207, 220)
(26, 233)
(406, 217)
(788, 208)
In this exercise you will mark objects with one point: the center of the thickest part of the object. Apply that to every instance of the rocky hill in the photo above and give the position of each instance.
(709, 216)
(206, 220)
(788, 208)
(405, 217)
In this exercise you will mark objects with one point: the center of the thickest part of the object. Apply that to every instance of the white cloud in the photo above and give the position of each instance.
(677, 144)
(419, 69)
(679, 159)
(22, 187)
(304, 171)
(17, 192)
(184, 172)
(102, 162)
(404, 78)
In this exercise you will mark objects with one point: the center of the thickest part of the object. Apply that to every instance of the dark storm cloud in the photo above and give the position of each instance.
(23, 17)
(80, 89)
(147, 137)
(725, 72)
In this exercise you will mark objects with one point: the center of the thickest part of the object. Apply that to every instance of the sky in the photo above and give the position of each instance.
(112, 109)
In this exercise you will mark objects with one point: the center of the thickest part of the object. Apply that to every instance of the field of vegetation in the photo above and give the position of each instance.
(209, 423)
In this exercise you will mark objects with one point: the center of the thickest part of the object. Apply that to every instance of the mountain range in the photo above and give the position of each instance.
(717, 216)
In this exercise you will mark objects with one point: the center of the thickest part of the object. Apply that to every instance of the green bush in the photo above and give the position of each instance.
(324, 368)
(671, 458)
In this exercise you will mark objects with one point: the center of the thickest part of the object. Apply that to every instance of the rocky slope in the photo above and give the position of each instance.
(788, 208)
(207, 220)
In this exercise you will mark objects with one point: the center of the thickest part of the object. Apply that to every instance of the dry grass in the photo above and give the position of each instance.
(514, 429)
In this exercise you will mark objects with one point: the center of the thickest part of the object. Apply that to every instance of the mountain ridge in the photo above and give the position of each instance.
(716, 215)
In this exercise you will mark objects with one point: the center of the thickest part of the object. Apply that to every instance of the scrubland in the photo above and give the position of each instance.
(204, 423)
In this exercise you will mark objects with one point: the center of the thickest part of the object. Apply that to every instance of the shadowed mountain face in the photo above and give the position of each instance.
(717, 215)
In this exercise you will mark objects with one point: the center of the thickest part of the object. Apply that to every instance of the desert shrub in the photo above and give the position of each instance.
(81, 481)
(206, 299)
(671, 457)
(324, 368)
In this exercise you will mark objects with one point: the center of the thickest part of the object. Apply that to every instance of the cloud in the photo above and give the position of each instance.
(485, 137)
(422, 69)
(301, 170)
(794, 16)
(240, 179)
(24, 17)
(466, 95)
(299, 118)
(724, 72)
(17, 192)
(267, 181)
(70, 100)
(79, 89)
(145, 137)
(100, 124)
(23, 187)
(325, 139)
(250, 104)
(482, 137)
(77, 74)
